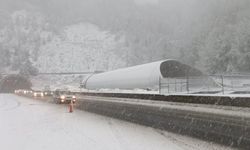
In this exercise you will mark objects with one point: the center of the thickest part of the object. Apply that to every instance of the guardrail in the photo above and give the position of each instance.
(193, 99)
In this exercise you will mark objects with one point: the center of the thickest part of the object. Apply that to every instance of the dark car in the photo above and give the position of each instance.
(47, 91)
(61, 96)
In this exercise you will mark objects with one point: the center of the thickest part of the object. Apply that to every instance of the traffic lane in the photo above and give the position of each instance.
(31, 124)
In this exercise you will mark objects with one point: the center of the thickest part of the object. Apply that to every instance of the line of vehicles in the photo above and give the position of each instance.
(59, 96)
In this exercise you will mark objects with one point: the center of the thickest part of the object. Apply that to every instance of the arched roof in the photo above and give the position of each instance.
(140, 76)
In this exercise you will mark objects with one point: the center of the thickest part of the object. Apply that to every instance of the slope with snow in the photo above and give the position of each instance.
(80, 47)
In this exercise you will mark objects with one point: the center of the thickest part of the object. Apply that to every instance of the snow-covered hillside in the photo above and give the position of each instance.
(80, 47)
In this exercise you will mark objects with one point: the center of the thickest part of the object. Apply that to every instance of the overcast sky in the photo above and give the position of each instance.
(146, 1)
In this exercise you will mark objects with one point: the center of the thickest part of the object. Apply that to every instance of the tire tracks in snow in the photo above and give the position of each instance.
(117, 136)
(177, 141)
(3, 103)
(76, 128)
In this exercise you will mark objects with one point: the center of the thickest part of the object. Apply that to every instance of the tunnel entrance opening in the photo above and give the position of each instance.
(174, 69)
(11, 83)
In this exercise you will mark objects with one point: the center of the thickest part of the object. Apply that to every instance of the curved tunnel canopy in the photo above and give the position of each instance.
(11, 83)
(142, 76)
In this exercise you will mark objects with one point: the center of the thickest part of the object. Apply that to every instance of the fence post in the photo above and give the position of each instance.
(232, 82)
(168, 85)
(187, 83)
(159, 85)
(181, 82)
(222, 84)
(207, 82)
(175, 88)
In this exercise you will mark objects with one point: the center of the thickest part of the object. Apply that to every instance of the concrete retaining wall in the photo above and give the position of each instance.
(195, 99)
(228, 130)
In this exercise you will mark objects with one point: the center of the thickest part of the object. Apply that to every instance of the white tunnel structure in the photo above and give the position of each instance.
(144, 76)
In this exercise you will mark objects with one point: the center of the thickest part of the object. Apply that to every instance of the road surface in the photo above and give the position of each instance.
(27, 124)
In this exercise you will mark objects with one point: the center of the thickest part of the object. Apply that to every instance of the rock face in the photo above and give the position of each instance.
(11, 83)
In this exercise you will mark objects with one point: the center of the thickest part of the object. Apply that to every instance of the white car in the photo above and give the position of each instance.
(38, 94)
(23, 91)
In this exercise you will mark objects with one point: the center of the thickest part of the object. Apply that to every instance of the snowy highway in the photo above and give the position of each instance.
(27, 124)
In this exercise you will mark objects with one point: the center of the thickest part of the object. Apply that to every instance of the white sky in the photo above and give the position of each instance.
(146, 1)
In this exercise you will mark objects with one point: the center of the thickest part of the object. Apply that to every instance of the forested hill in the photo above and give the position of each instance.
(212, 35)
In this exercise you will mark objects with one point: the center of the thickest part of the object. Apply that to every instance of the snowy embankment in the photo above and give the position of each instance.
(31, 124)
(72, 82)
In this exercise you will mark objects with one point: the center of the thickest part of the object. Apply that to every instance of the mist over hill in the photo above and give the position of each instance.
(83, 35)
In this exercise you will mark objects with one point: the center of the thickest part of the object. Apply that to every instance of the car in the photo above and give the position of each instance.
(47, 91)
(18, 91)
(61, 96)
(38, 94)
(28, 92)
(23, 91)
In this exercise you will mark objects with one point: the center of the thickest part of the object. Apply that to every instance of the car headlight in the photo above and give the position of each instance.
(35, 94)
(73, 96)
(41, 94)
(62, 97)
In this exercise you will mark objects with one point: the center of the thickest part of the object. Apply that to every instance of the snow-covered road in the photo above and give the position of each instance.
(27, 124)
